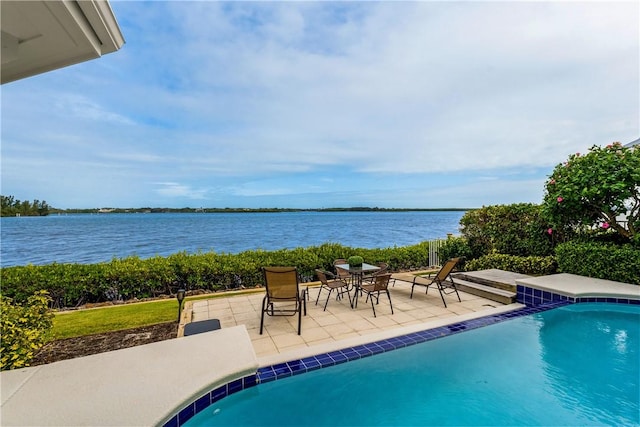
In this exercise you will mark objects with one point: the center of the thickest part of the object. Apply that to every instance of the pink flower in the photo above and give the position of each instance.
(605, 225)
(550, 231)
(560, 199)
(577, 154)
(553, 181)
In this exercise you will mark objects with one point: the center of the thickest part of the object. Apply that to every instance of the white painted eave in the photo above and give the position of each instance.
(40, 36)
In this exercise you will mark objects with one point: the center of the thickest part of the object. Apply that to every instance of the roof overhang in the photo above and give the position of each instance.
(40, 36)
(632, 143)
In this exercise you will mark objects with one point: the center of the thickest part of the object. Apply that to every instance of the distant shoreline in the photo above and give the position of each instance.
(250, 210)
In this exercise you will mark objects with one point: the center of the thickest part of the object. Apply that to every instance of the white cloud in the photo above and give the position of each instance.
(246, 99)
(174, 189)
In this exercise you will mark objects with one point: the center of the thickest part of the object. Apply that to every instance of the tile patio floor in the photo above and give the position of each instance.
(338, 322)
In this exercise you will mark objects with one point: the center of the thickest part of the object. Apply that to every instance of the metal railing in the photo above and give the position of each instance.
(434, 245)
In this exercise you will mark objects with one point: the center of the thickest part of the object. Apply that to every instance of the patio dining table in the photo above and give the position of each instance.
(357, 273)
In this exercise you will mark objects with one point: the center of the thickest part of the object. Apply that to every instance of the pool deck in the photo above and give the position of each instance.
(145, 385)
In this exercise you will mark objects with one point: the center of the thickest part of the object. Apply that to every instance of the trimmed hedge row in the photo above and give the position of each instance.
(532, 265)
(71, 285)
(620, 263)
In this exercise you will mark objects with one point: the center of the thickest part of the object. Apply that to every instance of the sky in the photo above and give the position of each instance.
(326, 104)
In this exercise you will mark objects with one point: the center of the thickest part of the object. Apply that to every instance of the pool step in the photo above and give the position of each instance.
(493, 277)
(494, 284)
(485, 291)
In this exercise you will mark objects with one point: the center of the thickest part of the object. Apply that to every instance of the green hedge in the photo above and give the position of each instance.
(23, 328)
(620, 263)
(71, 285)
(455, 247)
(532, 265)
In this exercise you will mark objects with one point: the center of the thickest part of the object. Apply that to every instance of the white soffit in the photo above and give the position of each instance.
(40, 36)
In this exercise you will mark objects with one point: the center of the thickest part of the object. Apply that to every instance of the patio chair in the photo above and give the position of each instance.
(341, 273)
(384, 269)
(282, 286)
(442, 279)
(331, 283)
(373, 289)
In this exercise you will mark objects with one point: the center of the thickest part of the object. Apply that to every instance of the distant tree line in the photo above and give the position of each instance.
(245, 210)
(13, 207)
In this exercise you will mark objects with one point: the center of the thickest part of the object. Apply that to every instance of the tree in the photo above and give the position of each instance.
(600, 189)
(10, 206)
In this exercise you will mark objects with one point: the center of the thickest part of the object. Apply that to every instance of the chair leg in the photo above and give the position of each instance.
(300, 317)
(373, 306)
(304, 303)
(319, 292)
(262, 313)
(455, 288)
(327, 301)
(348, 296)
(389, 296)
(442, 295)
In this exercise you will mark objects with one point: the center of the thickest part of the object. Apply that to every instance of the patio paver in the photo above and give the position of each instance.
(338, 322)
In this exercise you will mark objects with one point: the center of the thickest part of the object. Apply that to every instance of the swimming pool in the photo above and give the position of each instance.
(573, 365)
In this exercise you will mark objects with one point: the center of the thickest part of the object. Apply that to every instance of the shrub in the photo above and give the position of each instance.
(532, 265)
(355, 260)
(516, 229)
(599, 189)
(24, 329)
(620, 263)
(455, 247)
(135, 278)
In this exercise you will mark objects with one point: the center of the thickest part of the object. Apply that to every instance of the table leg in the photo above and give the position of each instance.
(357, 280)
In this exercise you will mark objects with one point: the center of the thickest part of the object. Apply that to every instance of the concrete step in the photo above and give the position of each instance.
(485, 291)
(501, 279)
(504, 296)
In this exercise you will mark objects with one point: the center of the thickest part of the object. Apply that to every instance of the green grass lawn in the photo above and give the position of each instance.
(105, 319)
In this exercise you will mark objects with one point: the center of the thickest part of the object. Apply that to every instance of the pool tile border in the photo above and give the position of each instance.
(534, 297)
(299, 366)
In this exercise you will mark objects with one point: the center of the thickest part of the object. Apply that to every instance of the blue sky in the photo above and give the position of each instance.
(326, 104)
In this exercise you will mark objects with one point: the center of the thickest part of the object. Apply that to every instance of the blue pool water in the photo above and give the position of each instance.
(574, 365)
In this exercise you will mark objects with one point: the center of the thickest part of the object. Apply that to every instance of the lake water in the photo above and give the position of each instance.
(92, 238)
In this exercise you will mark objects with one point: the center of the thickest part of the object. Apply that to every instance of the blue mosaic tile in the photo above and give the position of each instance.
(202, 403)
(265, 376)
(325, 360)
(351, 354)
(296, 367)
(362, 351)
(218, 393)
(311, 363)
(375, 348)
(173, 422)
(234, 386)
(338, 357)
(186, 414)
(387, 346)
(249, 381)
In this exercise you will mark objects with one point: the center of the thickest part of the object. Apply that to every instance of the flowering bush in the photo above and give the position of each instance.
(516, 229)
(597, 189)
